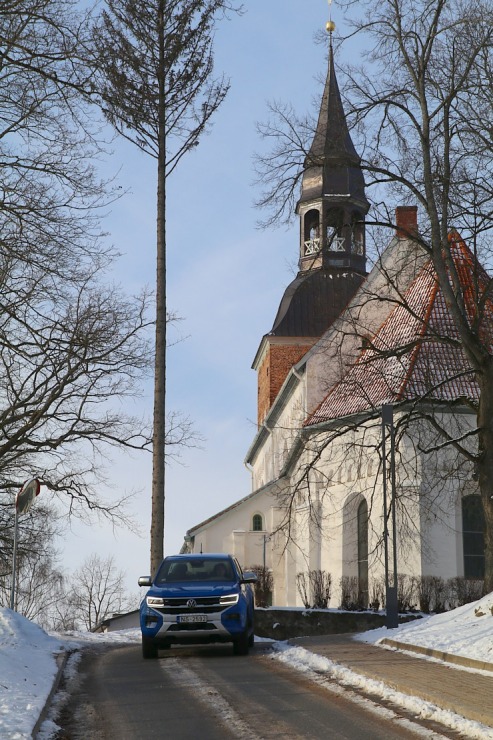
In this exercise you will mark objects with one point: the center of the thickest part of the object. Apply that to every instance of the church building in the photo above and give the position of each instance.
(358, 379)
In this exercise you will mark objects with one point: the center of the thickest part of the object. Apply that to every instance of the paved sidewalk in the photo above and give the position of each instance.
(463, 692)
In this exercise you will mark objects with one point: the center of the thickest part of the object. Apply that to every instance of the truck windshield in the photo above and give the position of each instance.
(194, 569)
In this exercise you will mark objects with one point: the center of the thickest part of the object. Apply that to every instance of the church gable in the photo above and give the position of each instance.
(416, 353)
(332, 356)
(339, 348)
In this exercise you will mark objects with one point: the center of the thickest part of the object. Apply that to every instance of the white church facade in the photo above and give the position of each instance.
(360, 381)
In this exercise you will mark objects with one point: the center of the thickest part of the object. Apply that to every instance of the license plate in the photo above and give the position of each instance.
(188, 618)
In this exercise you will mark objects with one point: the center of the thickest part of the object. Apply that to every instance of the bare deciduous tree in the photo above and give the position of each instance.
(424, 108)
(66, 360)
(72, 350)
(39, 581)
(51, 195)
(96, 590)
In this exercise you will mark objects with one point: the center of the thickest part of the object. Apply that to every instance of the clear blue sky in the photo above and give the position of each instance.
(225, 277)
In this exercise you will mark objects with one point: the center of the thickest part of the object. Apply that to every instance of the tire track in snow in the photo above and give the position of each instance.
(187, 679)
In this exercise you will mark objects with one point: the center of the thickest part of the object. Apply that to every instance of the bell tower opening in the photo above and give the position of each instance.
(311, 241)
(358, 245)
(334, 230)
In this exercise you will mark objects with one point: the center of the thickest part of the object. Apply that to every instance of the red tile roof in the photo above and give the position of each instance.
(417, 353)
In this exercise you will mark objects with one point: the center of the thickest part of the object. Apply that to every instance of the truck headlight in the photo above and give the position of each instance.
(229, 600)
(155, 602)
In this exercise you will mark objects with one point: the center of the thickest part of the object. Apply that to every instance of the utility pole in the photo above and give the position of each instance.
(392, 615)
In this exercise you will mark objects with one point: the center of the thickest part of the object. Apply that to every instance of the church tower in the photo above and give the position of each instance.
(332, 252)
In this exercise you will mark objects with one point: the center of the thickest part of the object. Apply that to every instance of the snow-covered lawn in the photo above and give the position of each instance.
(28, 661)
(465, 631)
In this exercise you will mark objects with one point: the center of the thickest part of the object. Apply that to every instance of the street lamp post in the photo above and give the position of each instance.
(266, 539)
(392, 615)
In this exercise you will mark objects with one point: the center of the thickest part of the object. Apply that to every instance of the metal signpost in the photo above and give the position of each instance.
(23, 502)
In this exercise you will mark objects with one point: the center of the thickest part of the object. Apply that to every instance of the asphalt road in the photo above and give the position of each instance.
(206, 693)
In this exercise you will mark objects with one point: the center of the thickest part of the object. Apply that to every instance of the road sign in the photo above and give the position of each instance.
(25, 498)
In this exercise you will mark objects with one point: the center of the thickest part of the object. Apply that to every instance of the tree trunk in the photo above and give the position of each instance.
(158, 440)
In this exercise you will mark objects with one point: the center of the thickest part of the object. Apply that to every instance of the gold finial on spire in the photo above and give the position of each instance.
(330, 25)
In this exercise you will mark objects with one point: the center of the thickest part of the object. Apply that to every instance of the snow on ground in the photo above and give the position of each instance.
(28, 663)
(27, 670)
(28, 667)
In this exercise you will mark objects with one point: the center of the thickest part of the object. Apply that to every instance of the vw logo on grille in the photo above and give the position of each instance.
(191, 603)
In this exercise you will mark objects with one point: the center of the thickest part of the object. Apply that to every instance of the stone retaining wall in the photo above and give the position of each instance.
(282, 624)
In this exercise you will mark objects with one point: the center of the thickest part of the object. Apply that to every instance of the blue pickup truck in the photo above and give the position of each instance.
(197, 599)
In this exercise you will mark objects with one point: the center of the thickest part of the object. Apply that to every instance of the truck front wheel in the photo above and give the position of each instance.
(241, 644)
(149, 648)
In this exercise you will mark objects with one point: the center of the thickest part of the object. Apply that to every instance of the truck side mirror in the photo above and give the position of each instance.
(249, 577)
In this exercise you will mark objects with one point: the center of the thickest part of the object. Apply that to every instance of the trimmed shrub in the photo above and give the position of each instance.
(321, 587)
(314, 588)
(464, 590)
(350, 594)
(264, 586)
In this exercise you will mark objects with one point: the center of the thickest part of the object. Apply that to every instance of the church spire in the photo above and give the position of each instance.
(332, 204)
(332, 209)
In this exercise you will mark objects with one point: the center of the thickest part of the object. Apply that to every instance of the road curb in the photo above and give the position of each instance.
(439, 655)
(61, 660)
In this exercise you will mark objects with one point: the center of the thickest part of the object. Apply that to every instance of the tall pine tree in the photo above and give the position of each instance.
(156, 84)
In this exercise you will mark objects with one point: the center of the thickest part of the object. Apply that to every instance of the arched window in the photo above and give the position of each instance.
(257, 523)
(363, 553)
(473, 536)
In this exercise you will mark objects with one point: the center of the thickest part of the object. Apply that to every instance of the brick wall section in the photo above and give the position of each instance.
(263, 388)
(278, 361)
